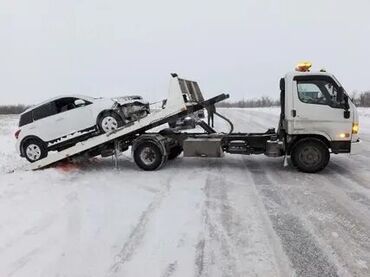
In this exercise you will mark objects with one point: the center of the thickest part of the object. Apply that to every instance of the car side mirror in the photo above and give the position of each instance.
(79, 103)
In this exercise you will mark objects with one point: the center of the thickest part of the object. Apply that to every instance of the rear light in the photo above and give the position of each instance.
(17, 134)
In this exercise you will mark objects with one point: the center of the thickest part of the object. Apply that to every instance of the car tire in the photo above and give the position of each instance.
(310, 155)
(109, 121)
(34, 150)
(148, 156)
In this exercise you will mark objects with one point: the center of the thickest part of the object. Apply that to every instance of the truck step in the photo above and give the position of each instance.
(238, 147)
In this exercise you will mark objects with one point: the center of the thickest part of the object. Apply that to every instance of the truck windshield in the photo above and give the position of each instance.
(339, 84)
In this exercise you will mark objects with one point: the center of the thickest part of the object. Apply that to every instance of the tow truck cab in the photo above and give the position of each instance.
(315, 109)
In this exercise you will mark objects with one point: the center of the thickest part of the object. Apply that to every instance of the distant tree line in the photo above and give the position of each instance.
(12, 109)
(361, 99)
(264, 101)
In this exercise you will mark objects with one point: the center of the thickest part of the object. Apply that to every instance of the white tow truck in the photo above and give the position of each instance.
(317, 119)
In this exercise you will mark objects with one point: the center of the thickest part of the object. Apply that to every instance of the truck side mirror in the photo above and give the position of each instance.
(342, 98)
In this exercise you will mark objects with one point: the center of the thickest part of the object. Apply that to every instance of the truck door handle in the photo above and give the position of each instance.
(59, 119)
(294, 113)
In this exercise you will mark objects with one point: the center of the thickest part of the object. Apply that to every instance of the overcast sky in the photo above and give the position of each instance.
(112, 47)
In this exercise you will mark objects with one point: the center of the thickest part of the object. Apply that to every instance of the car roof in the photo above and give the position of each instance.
(56, 98)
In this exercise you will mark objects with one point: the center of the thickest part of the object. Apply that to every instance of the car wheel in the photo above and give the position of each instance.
(34, 150)
(109, 122)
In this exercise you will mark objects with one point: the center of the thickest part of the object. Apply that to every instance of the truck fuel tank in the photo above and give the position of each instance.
(203, 147)
(274, 148)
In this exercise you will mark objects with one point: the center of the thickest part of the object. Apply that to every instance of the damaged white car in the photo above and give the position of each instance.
(63, 121)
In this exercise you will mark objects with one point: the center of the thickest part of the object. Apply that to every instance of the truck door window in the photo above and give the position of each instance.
(309, 92)
(319, 92)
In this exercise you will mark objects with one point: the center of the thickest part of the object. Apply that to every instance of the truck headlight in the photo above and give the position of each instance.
(355, 128)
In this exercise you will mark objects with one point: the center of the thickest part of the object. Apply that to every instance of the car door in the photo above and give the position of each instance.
(72, 119)
(317, 110)
(44, 118)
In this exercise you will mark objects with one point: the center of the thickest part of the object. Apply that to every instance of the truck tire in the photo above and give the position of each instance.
(172, 124)
(34, 150)
(175, 152)
(148, 156)
(310, 155)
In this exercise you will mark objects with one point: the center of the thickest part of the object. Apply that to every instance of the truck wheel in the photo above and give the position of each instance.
(109, 122)
(34, 150)
(172, 124)
(310, 155)
(148, 156)
(175, 152)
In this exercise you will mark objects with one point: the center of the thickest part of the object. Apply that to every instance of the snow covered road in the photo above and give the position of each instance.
(237, 216)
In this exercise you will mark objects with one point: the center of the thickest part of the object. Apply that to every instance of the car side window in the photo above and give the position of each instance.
(68, 103)
(45, 110)
(25, 119)
(65, 104)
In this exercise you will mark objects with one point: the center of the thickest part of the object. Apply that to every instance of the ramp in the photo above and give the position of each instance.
(175, 107)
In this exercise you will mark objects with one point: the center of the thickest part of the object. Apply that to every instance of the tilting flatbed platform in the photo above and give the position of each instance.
(176, 107)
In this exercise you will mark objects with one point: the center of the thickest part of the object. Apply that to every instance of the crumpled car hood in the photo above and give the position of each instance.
(123, 100)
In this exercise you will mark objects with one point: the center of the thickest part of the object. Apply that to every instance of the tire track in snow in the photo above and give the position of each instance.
(354, 186)
(170, 270)
(199, 256)
(336, 213)
(218, 235)
(216, 244)
(23, 261)
(236, 241)
(340, 170)
(331, 216)
(137, 234)
(300, 246)
(43, 224)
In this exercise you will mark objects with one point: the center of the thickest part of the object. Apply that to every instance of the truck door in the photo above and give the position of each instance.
(317, 109)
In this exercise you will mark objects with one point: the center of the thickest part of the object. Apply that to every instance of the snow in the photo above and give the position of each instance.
(236, 216)
(365, 121)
